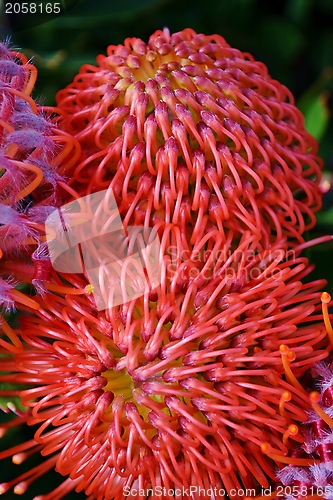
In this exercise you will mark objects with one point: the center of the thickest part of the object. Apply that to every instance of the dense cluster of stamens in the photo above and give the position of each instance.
(169, 391)
(194, 383)
(31, 148)
(190, 131)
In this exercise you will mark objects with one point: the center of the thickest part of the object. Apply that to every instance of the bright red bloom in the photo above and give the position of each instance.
(189, 384)
(170, 391)
(187, 129)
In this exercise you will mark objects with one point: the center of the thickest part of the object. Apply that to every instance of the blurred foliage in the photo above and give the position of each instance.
(314, 104)
(294, 38)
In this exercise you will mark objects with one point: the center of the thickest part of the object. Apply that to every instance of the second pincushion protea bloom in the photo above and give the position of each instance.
(171, 390)
(190, 131)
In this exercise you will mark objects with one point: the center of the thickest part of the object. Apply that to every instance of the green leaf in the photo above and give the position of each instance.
(313, 104)
(325, 217)
(317, 116)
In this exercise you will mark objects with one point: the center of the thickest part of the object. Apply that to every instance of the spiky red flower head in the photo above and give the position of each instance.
(30, 150)
(194, 383)
(169, 393)
(187, 129)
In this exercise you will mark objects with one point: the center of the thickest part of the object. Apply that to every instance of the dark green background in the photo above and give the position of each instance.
(294, 38)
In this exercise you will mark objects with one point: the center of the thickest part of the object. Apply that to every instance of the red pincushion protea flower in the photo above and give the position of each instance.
(169, 393)
(30, 150)
(189, 130)
(185, 386)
